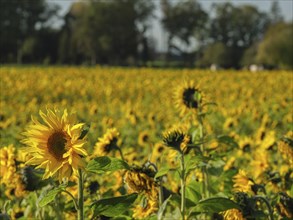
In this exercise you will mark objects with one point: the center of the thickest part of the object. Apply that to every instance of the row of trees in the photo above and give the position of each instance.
(118, 33)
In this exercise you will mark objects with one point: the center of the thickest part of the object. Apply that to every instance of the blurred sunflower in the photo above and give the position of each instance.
(143, 138)
(233, 214)
(285, 146)
(188, 98)
(107, 143)
(55, 146)
(142, 181)
(177, 140)
(7, 164)
(9, 175)
(242, 183)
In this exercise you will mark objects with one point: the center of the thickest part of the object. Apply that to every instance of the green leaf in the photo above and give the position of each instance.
(114, 206)
(193, 162)
(163, 171)
(84, 132)
(48, 196)
(192, 194)
(227, 140)
(104, 164)
(163, 207)
(216, 204)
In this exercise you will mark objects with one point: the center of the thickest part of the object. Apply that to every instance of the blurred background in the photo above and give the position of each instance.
(236, 34)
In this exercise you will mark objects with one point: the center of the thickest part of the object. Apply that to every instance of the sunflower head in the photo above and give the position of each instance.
(107, 143)
(285, 146)
(188, 98)
(55, 144)
(242, 183)
(176, 140)
(143, 138)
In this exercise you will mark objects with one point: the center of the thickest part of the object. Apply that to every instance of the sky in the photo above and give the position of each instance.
(286, 7)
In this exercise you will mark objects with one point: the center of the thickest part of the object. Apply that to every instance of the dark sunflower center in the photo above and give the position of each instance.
(189, 98)
(112, 145)
(56, 144)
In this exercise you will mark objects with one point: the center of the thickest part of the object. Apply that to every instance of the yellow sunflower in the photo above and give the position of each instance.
(107, 143)
(242, 183)
(143, 138)
(55, 145)
(285, 146)
(233, 214)
(188, 98)
(7, 164)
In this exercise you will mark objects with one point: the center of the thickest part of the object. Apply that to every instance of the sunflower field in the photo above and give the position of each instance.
(138, 143)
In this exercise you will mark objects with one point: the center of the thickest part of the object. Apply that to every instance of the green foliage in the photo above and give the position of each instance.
(49, 195)
(113, 207)
(104, 164)
(277, 47)
(215, 204)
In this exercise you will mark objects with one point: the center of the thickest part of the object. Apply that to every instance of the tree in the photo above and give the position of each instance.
(277, 47)
(238, 28)
(182, 21)
(20, 20)
(106, 32)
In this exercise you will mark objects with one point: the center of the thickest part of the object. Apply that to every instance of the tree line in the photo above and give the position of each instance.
(117, 32)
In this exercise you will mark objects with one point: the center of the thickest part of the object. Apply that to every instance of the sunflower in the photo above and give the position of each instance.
(142, 182)
(285, 146)
(242, 183)
(107, 143)
(188, 98)
(55, 145)
(177, 140)
(233, 214)
(7, 164)
(9, 175)
(143, 138)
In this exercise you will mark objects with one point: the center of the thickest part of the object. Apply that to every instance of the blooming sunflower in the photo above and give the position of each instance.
(188, 98)
(242, 183)
(55, 145)
(107, 143)
(285, 146)
(233, 214)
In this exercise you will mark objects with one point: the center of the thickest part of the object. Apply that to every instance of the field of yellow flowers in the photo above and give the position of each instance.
(139, 143)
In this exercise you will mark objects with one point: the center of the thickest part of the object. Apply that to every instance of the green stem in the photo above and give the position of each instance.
(73, 199)
(268, 206)
(204, 169)
(182, 169)
(80, 195)
(161, 194)
(120, 152)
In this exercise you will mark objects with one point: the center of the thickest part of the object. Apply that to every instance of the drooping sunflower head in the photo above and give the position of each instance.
(55, 145)
(242, 183)
(107, 143)
(177, 140)
(188, 98)
(233, 214)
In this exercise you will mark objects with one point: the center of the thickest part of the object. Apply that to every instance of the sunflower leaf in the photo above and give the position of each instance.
(48, 196)
(227, 140)
(215, 204)
(104, 164)
(163, 171)
(114, 206)
(84, 131)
